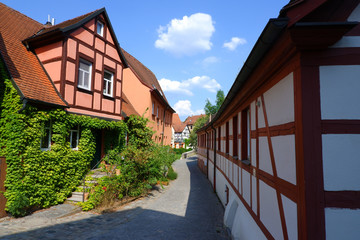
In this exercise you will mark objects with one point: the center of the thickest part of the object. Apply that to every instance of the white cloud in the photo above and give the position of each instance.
(188, 85)
(209, 61)
(234, 43)
(186, 36)
(183, 108)
(173, 86)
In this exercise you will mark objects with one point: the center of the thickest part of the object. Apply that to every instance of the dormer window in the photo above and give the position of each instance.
(84, 74)
(100, 28)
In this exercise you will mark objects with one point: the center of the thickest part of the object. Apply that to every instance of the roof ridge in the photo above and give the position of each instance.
(72, 19)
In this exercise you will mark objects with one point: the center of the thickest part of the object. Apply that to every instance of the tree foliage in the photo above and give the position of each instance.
(198, 124)
(211, 109)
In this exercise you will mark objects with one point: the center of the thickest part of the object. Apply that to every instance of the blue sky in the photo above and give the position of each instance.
(194, 47)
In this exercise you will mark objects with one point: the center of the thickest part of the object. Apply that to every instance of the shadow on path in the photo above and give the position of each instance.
(203, 217)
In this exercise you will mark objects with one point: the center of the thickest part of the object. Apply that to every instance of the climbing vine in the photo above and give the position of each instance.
(36, 178)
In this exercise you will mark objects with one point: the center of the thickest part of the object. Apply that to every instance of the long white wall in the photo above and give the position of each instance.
(279, 104)
(339, 95)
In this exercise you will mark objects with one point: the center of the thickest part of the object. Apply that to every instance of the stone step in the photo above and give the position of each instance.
(76, 197)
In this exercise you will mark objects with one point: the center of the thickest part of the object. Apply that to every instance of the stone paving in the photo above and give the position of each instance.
(186, 209)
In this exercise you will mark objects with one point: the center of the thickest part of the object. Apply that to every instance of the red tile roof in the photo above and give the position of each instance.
(144, 74)
(192, 119)
(177, 124)
(24, 67)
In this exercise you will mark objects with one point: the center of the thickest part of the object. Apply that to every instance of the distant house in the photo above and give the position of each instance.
(190, 121)
(180, 132)
(144, 92)
(282, 153)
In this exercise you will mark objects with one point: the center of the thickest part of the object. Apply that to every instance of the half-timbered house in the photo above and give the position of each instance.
(282, 153)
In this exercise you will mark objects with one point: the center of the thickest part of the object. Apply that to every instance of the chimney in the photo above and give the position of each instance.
(53, 21)
(48, 23)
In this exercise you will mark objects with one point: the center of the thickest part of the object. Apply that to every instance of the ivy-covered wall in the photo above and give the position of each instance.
(36, 178)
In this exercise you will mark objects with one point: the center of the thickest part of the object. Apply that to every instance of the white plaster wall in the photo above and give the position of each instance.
(264, 156)
(221, 187)
(279, 102)
(347, 41)
(252, 116)
(261, 119)
(211, 173)
(355, 15)
(254, 194)
(269, 210)
(236, 169)
(244, 226)
(284, 154)
(339, 92)
(290, 212)
(253, 152)
(342, 224)
(341, 161)
(246, 186)
(231, 152)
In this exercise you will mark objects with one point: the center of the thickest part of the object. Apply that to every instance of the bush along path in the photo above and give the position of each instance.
(131, 172)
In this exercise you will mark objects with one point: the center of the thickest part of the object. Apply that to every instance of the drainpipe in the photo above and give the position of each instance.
(214, 157)
(163, 130)
(24, 105)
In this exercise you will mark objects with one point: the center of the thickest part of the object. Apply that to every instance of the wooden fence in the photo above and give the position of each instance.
(2, 187)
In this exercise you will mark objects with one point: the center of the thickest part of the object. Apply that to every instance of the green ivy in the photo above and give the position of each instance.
(39, 179)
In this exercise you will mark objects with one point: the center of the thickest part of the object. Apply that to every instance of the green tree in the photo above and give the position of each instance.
(211, 109)
(198, 124)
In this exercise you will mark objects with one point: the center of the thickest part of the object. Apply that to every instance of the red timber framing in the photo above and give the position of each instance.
(77, 45)
(300, 49)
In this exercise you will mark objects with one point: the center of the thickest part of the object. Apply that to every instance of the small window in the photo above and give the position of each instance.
(108, 83)
(85, 69)
(157, 112)
(227, 138)
(235, 136)
(74, 138)
(100, 28)
(153, 108)
(45, 142)
(245, 135)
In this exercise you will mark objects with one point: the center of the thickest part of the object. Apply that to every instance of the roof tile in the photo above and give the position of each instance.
(24, 67)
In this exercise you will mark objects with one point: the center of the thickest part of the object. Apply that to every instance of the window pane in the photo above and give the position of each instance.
(81, 78)
(86, 80)
(73, 139)
(45, 140)
(84, 66)
(107, 76)
(99, 28)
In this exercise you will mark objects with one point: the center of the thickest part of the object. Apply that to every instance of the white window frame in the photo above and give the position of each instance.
(46, 129)
(72, 131)
(100, 26)
(106, 86)
(85, 71)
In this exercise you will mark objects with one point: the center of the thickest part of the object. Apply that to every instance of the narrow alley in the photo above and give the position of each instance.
(187, 209)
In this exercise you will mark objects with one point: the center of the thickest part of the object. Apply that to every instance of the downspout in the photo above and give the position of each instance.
(25, 101)
(214, 157)
(163, 130)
